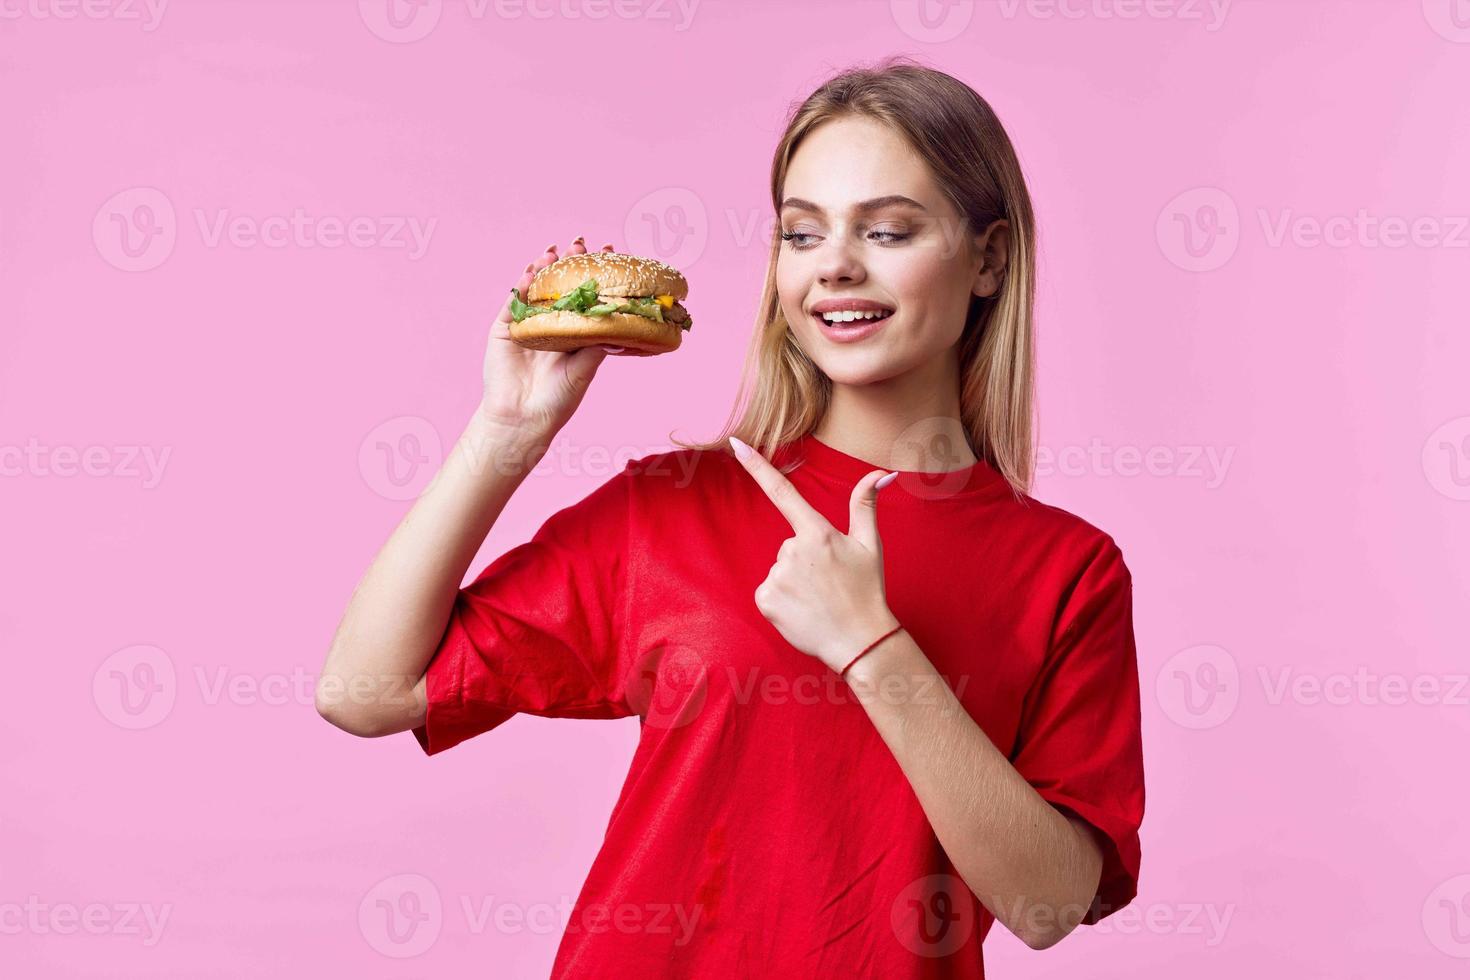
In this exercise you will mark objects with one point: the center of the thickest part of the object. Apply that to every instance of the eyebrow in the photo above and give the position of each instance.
(862, 207)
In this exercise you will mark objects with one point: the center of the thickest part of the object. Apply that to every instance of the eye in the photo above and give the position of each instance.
(790, 238)
(798, 239)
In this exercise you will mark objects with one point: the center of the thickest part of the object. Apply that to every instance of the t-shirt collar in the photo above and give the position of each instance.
(827, 461)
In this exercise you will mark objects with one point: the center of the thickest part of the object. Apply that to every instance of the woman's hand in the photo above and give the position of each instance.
(536, 391)
(825, 593)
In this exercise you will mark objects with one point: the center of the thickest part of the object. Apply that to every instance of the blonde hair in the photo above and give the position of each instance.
(957, 133)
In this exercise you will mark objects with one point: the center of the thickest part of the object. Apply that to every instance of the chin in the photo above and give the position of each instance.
(854, 367)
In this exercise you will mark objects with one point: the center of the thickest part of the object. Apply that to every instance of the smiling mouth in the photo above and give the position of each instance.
(848, 318)
(851, 331)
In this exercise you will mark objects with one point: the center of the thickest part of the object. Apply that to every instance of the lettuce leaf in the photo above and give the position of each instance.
(583, 300)
(579, 300)
(519, 310)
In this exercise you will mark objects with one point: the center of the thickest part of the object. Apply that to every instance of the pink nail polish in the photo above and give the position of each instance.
(741, 449)
(885, 480)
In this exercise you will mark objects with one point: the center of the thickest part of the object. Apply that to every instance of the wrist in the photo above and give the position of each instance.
(504, 446)
(881, 626)
(511, 430)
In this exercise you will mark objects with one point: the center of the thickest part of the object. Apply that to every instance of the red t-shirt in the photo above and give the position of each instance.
(765, 828)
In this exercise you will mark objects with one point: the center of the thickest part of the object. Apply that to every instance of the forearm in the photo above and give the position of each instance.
(1022, 858)
(398, 611)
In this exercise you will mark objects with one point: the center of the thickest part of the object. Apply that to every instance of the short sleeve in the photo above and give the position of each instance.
(542, 630)
(1080, 740)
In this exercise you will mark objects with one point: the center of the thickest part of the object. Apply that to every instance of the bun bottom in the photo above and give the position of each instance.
(565, 331)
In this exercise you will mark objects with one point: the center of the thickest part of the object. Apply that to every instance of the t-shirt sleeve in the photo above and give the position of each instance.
(1080, 740)
(542, 630)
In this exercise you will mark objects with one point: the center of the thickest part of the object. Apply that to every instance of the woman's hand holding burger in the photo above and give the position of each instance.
(535, 392)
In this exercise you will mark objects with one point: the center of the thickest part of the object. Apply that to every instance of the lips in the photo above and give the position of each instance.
(851, 331)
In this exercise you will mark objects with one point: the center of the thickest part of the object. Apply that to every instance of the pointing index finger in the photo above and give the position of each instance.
(801, 515)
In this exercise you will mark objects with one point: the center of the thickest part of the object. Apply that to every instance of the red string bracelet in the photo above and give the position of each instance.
(843, 672)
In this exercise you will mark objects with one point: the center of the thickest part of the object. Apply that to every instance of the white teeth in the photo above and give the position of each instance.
(845, 316)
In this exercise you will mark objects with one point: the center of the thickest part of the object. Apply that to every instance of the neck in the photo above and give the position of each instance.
(908, 422)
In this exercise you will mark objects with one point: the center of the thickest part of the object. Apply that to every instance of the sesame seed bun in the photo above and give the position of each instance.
(617, 275)
(563, 330)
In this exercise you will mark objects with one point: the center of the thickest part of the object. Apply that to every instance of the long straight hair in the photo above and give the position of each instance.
(783, 394)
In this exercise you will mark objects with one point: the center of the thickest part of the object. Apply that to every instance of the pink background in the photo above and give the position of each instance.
(1300, 600)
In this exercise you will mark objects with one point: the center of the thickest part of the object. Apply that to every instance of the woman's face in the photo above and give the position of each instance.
(914, 259)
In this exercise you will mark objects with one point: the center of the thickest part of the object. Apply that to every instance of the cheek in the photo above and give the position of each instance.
(791, 289)
(934, 285)
(918, 274)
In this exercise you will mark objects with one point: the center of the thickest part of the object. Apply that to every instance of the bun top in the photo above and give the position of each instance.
(617, 274)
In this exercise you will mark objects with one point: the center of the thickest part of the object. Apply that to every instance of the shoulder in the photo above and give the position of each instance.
(675, 471)
(1076, 542)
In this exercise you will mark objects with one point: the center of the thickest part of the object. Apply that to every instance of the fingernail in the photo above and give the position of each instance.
(885, 480)
(613, 350)
(551, 247)
(579, 240)
(741, 449)
(530, 266)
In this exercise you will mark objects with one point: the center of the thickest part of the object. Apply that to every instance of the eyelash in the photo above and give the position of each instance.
(894, 237)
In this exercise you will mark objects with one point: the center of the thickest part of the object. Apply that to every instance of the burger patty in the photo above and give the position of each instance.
(674, 314)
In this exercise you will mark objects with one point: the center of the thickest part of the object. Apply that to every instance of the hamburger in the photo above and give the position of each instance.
(602, 298)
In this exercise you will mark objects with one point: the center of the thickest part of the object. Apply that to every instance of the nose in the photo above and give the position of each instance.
(839, 262)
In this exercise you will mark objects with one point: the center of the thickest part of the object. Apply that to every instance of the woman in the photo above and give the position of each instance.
(872, 723)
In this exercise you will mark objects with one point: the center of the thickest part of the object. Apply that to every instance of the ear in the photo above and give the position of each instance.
(990, 248)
